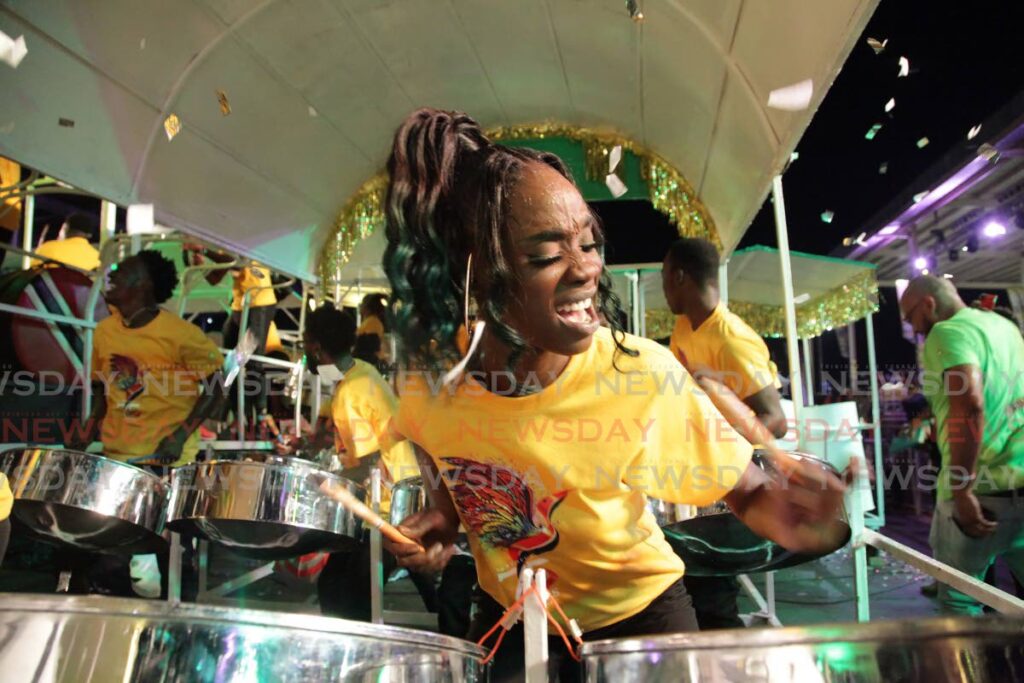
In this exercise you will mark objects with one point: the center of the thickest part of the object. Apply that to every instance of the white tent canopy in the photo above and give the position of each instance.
(316, 88)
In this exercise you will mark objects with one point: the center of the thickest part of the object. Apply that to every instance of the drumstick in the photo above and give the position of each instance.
(360, 510)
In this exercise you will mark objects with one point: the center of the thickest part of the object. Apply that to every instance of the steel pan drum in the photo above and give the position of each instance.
(86, 501)
(68, 640)
(407, 498)
(965, 650)
(264, 510)
(714, 542)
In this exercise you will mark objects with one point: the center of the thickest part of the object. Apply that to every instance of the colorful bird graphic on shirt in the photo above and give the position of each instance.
(128, 379)
(498, 505)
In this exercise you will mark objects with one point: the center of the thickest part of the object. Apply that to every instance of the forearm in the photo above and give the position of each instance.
(204, 406)
(964, 430)
(91, 429)
(437, 491)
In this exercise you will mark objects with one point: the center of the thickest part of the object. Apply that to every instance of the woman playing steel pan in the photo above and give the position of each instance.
(553, 428)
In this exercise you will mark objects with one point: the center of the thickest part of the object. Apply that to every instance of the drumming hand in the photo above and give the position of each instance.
(970, 516)
(169, 449)
(432, 530)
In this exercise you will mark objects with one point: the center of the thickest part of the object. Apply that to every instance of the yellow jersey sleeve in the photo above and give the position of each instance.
(6, 498)
(198, 354)
(371, 325)
(690, 454)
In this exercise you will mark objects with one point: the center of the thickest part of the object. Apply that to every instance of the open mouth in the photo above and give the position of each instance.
(579, 314)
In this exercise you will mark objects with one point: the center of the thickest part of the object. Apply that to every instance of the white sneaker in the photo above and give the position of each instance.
(145, 576)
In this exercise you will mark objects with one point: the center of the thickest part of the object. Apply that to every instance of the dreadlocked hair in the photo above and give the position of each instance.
(162, 273)
(448, 197)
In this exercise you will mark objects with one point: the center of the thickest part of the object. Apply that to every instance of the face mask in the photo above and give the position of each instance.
(330, 373)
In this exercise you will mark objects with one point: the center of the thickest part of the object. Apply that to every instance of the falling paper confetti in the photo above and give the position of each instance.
(633, 7)
(312, 112)
(988, 152)
(827, 216)
(12, 50)
(794, 156)
(67, 123)
(615, 185)
(919, 196)
(614, 157)
(883, 168)
(142, 44)
(794, 97)
(222, 100)
(172, 126)
(878, 45)
(904, 68)
(922, 143)
(973, 132)
(873, 131)
(890, 105)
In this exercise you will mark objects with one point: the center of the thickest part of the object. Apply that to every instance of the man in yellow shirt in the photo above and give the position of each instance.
(709, 339)
(155, 377)
(361, 409)
(72, 245)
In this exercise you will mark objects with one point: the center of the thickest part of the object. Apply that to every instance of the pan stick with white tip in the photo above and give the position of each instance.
(360, 510)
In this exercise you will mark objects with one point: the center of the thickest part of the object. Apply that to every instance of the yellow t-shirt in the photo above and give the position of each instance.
(74, 251)
(248, 278)
(6, 497)
(362, 407)
(558, 479)
(273, 339)
(152, 376)
(727, 349)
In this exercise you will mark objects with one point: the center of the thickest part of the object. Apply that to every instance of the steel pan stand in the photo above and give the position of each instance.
(535, 625)
(376, 560)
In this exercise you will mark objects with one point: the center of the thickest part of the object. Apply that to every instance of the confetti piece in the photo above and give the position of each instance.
(312, 112)
(794, 156)
(973, 132)
(890, 105)
(222, 100)
(904, 68)
(922, 143)
(827, 216)
(878, 45)
(172, 126)
(873, 131)
(794, 97)
(635, 13)
(883, 168)
(614, 157)
(988, 152)
(67, 123)
(142, 44)
(615, 185)
(12, 50)
(919, 196)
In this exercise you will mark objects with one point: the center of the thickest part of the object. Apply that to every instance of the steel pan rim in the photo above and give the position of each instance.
(320, 472)
(100, 459)
(159, 610)
(748, 639)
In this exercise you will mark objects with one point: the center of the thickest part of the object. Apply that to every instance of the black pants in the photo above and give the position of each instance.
(714, 601)
(670, 612)
(5, 536)
(343, 586)
(455, 596)
(256, 390)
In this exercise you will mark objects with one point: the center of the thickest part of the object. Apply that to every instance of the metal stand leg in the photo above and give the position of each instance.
(204, 564)
(855, 512)
(174, 570)
(535, 626)
(376, 559)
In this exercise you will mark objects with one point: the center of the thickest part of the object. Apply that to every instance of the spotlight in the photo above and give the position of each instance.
(994, 229)
(921, 263)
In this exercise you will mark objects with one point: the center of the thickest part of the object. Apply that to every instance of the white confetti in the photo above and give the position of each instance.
(988, 152)
(827, 216)
(919, 196)
(615, 185)
(794, 97)
(878, 45)
(312, 112)
(12, 50)
(890, 105)
(904, 68)
(614, 157)
(922, 143)
(142, 44)
(973, 132)
(883, 168)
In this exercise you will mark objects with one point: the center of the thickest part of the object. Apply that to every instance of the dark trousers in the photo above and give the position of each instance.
(256, 391)
(670, 612)
(5, 536)
(714, 601)
(455, 596)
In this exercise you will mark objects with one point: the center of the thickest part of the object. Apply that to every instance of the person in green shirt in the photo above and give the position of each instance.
(974, 381)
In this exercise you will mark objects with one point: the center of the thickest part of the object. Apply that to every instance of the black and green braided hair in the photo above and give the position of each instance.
(448, 197)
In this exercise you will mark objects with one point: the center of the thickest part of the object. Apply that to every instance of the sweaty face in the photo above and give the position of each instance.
(555, 254)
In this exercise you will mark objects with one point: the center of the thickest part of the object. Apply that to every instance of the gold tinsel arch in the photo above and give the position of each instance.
(668, 190)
